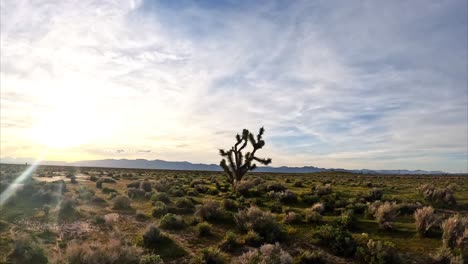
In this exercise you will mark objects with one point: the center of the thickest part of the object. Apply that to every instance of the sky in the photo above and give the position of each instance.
(336, 84)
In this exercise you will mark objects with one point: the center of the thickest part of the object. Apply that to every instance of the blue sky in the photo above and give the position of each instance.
(354, 84)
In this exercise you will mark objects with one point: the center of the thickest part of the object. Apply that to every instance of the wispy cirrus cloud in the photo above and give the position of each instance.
(373, 84)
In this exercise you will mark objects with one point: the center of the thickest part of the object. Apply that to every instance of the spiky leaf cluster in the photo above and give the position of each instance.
(235, 164)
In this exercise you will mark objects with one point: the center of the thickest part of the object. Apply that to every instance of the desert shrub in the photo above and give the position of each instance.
(230, 205)
(276, 187)
(151, 259)
(377, 252)
(99, 220)
(68, 208)
(445, 256)
(425, 219)
(358, 208)
(276, 207)
(108, 190)
(211, 256)
(318, 207)
(4, 225)
(108, 180)
(93, 178)
(162, 185)
(200, 188)
(73, 179)
(323, 190)
(160, 196)
(98, 200)
(346, 220)
(292, 218)
(135, 193)
(268, 253)
(210, 211)
(230, 242)
(184, 203)
(373, 195)
(440, 196)
(196, 182)
(146, 186)
(99, 184)
(134, 184)
(385, 214)
(176, 192)
(244, 187)
(111, 252)
(455, 232)
(337, 239)
(372, 208)
(172, 221)
(152, 236)
(141, 216)
(409, 208)
(309, 198)
(159, 209)
(122, 203)
(253, 239)
(85, 193)
(308, 257)
(261, 222)
(312, 216)
(298, 183)
(287, 197)
(204, 229)
(26, 251)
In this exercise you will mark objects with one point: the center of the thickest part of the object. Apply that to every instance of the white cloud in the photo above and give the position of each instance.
(354, 86)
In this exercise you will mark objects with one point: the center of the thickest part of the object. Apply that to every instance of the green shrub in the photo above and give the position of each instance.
(171, 221)
(163, 197)
(204, 229)
(146, 186)
(211, 256)
(151, 259)
(152, 236)
(210, 211)
(230, 205)
(253, 239)
(26, 251)
(307, 257)
(108, 190)
(292, 218)
(261, 222)
(377, 252)
(346, 220)
(122, 203)
(159, 209)
(184, 203)
(312, 216)
(338, 240)
(230, 242)
(276, 207)
(276, 187)
(135, 193)
(113, 251)
(267, 253)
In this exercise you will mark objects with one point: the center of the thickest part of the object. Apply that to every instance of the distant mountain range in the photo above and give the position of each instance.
(184, 165)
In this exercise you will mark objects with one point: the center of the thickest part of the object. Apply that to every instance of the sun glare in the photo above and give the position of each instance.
(69, 126)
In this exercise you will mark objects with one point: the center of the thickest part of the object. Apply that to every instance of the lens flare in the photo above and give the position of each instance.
(13, 187)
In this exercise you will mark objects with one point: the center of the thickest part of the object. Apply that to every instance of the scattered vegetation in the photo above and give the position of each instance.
(149, 216)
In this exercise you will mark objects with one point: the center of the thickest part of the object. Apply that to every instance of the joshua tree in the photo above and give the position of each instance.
(237, 165)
